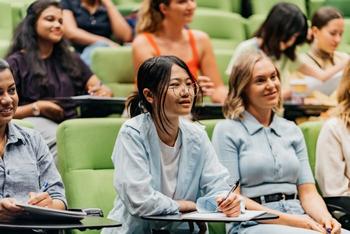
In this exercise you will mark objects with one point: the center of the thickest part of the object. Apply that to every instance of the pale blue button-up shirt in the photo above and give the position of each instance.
(266, 160)
(138, 181)
(27, 165)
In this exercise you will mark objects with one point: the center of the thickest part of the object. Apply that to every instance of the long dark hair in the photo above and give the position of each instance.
(25, 39)
(154, 74)
(283, 21)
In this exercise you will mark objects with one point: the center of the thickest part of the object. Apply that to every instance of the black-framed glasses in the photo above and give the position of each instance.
(182, 89)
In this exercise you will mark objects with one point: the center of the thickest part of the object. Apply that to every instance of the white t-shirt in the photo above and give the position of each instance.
(170, 166)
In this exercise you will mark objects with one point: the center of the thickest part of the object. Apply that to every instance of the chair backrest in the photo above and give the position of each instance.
(263, 7)
(115, 68)
(223, 5)
(225, 29)
(6, 26)
(209, 125)
(311, 131)
(342, 5)
(253, 23)
(222, 58)
(84, 158)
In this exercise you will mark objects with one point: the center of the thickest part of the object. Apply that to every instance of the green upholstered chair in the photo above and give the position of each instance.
(345, 44)
(222, 58)
(263, 7)
(225, 29)
(214, 228)
(311, 131)
(84, 158)
(342, 5)
(115, 68)
(223, 5)
(253, 23)
(339, 206)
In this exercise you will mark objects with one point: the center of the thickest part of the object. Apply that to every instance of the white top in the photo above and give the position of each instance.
(333, 158)
(170, 166)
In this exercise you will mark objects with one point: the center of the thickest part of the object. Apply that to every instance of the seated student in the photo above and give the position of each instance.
(332, 151)
(267, 153)
(283, 30)
(44, 68)
(92, 23)
(164, 162)
(26, 165)
(161, 29)
(327, 32)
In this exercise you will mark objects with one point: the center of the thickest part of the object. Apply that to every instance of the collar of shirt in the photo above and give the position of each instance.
(253, 125)
(14, 134)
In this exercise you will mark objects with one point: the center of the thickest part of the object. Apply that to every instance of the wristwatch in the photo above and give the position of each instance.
(35, 109)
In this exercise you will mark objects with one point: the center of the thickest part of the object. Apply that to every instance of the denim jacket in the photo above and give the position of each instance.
(137, 177)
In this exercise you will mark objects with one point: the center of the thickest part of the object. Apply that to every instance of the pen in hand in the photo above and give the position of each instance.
(44, 187)
(234, 187)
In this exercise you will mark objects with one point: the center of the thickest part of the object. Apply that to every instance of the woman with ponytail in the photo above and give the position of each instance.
(164, 162)
(162, 30)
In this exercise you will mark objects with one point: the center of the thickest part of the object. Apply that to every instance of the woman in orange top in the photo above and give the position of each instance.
(162, 31)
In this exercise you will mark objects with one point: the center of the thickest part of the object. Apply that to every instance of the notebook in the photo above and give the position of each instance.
(42, 213)
(218, 216)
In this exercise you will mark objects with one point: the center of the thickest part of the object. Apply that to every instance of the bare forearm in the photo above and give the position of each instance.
(120, 27)
(24, 111)
(314, 206)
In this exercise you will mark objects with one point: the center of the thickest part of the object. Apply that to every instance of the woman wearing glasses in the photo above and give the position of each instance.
(163, 162)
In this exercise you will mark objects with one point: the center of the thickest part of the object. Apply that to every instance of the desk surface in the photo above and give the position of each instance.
(90, 222)
(177, 217)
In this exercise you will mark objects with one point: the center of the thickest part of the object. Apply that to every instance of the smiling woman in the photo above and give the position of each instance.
(267, 154)
(26, 163)
(163, 162)
(44, 68)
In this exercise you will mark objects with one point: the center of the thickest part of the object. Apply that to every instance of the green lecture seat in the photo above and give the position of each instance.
(342, 5)
(223, 5)
(311, 131)
(253, 23)
(214, 228)
(263, 7)
(222, 58)
(115, 68)
(84, 160)
(225, 29)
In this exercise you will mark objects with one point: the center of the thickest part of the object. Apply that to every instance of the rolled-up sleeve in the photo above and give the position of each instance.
(48, 172)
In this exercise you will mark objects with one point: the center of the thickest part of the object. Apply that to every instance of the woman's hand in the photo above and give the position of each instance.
(100, 90)
(332, 224)
(8, 209)
(302, 221)
(207, 86)
(42, 199)
(231, 206)
(51, 110)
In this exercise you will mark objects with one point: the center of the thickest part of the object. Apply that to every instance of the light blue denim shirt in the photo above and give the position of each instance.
(266, 160)
(137, 178)
(27, 165)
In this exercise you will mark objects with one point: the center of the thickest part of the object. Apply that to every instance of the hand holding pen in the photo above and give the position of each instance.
(42, 198)
(230, 204)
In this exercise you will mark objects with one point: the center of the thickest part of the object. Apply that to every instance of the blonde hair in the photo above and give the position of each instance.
(150, 17)
(241, 74)
(343, 96)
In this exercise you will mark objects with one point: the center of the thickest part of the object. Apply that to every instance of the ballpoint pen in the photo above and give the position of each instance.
(234, 187)
(329, 230)
(44, 187)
